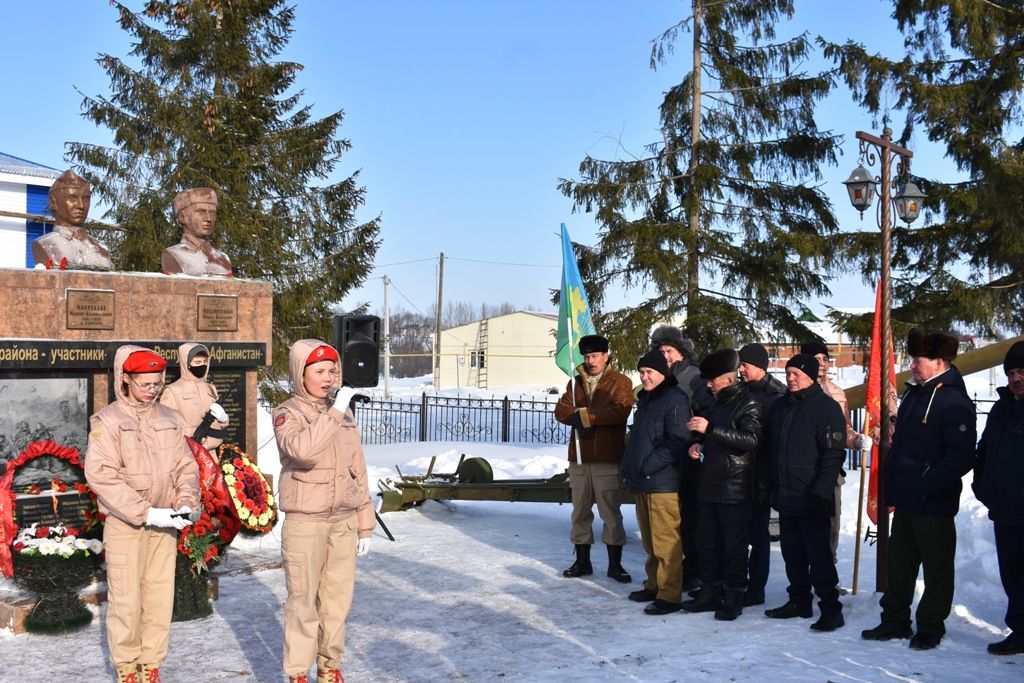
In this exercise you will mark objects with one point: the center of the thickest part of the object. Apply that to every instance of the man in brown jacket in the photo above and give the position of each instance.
(147, 482)
(195, 397)
(328, 513)
(596, 403)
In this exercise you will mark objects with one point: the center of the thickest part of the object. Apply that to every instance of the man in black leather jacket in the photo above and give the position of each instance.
(726, 444)
(807, 439)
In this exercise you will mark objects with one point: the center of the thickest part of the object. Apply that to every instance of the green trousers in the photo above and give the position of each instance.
(917, 541)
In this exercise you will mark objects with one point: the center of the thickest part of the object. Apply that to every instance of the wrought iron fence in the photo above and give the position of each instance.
(459, 418)
(510, 420)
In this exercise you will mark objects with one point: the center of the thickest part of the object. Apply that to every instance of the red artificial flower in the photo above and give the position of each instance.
(249, 505)
(18, 545)
(42, 531)
(72, 532)
(34, 489)
(237, 462)
(81, 488)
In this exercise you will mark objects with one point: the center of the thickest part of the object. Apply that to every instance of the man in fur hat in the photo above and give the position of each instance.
(681, 358)
(596, 404)
(932, 449)
(998, 482)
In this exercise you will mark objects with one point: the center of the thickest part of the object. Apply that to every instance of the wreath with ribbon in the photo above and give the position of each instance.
(9, 528)
(253, 498)
(203, 540)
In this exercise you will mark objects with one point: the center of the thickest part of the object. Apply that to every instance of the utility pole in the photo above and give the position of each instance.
(387, 340)
(437, 324)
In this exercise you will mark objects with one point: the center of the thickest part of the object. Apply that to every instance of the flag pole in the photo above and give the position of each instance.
(860, 518)
(572, 385)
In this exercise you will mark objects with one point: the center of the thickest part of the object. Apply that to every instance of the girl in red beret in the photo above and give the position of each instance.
(147, 483)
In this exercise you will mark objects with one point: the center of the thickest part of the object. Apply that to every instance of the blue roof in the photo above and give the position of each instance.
(17, 166)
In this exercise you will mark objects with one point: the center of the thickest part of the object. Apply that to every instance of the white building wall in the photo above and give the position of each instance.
(12, 230)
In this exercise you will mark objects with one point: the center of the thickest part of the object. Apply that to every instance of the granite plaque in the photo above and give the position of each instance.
(50, 509)
(89, 309)
(216, 313)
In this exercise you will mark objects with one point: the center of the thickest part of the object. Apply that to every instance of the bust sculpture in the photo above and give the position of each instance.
(69, 246)
(196, 211)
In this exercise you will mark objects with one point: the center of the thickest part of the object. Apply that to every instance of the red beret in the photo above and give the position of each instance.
(322, 352)
(144, 361)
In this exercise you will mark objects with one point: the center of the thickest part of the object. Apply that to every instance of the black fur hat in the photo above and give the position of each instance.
(721, 362)
(593, 343)
(932, 344)
(667, 335)
(814, 348)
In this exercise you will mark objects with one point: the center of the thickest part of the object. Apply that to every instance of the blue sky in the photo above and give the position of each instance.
(462, 116)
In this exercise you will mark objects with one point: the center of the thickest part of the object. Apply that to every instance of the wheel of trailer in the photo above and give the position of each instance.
(475, 471)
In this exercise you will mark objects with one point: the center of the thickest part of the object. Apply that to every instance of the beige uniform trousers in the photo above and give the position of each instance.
(659, 518)
(601, 483)
(320, 572)
(140, 591)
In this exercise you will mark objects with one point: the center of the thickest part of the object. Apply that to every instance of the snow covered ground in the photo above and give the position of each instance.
(474, 592)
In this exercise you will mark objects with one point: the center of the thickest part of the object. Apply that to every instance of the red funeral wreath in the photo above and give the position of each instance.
(254, 499)
(8, 528)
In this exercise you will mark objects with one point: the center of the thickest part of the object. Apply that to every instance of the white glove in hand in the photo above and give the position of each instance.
(362, 547)
(185, 513)
(161, 517)
(218, 412)
(343, 398)
(865, 442)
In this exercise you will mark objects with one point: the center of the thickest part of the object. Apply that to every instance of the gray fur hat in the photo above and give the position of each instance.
(667, 335)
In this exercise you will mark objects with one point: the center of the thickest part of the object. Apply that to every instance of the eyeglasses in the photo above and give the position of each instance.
(149, 386)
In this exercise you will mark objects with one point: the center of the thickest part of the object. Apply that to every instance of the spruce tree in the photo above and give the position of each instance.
(202, 102)
(722, 219)
(960, 83)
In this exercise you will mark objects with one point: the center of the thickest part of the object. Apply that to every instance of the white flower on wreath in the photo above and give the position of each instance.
(47, 547)
(95, 546)
(229, 479)
(81, 544)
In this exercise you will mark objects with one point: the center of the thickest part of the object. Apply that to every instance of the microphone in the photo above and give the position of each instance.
(191, 515)
(332, 393)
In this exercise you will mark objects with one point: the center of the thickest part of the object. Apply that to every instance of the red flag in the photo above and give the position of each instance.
(872, 400)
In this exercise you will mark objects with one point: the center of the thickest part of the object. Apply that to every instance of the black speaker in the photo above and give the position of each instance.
(357, 338)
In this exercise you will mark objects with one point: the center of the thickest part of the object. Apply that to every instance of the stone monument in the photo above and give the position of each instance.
(69, 246)
(196, 210)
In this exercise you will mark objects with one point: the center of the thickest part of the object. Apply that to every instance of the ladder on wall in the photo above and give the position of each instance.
(481, 355)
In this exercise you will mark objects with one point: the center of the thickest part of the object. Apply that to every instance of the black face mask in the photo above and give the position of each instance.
(198, 370)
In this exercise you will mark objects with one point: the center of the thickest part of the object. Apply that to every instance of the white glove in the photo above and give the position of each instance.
(343, 398)
(362, 546)
(218, 412)
(186, 513)
(161, 517)
(865, 442)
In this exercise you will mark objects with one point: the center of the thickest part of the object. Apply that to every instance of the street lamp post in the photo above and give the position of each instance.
(861, 186)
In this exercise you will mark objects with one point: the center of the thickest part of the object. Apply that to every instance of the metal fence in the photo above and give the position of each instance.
(458, 418)
(508, 420)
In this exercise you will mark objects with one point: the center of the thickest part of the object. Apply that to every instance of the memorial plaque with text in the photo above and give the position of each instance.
(216, 313)
(230, 385)
(89, 309)
(50, 509)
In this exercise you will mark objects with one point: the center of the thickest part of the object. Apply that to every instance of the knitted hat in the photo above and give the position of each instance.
(1014, 358)
(813, 348)
(593, 343)
(923, 343)
(805, 363)
(667, 335)
(754, 354)
(721, 362)
(653, 360)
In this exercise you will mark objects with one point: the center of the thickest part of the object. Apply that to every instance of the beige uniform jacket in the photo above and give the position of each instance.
(137, 457)
(323, 472)
(192, 397)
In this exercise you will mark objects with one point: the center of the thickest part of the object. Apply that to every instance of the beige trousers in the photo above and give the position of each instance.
(320, 571)
(658, 516)
(140, 591)
(601, 483)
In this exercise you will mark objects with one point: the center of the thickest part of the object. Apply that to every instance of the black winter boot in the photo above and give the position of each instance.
(732, 605)
(582, 566)
(708, 599)
(615, 569)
